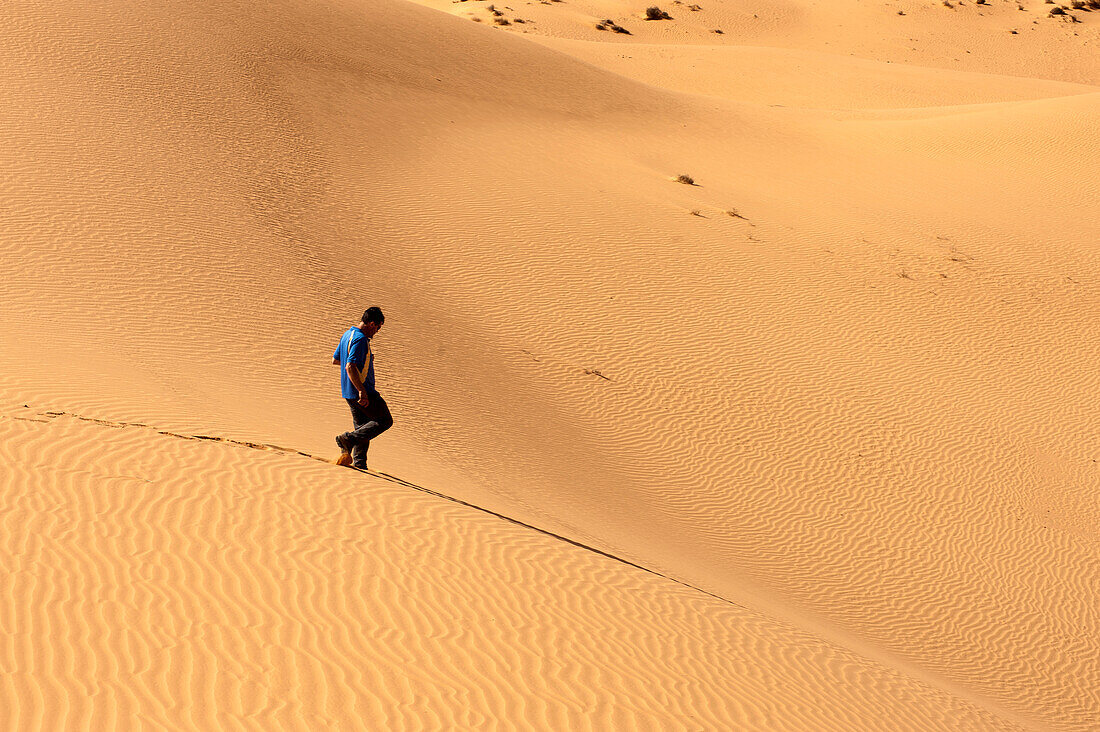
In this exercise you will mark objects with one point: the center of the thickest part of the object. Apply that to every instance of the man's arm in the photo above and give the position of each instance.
(335, 360)
(353, 374)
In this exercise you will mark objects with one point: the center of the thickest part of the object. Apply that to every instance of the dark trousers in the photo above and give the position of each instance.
(370, 421)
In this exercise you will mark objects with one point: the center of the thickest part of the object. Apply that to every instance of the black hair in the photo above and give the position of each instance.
(373, 314)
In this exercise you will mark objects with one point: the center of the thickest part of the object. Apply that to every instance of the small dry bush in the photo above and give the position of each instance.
(609, 24)
(655, 13)
(687, 180)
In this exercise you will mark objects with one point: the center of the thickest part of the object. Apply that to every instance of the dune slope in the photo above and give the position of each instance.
(262, 589)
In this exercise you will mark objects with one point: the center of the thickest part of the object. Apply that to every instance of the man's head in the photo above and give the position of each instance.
(372, 320)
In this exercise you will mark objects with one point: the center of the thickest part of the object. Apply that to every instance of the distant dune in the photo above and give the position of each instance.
(806, 444)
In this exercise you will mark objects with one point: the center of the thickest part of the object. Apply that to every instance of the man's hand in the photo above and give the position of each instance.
(364, 400)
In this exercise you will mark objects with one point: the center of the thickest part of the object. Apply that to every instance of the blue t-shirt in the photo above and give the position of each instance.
(354, 348)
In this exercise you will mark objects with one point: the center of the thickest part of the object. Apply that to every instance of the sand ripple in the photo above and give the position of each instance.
(260, 589)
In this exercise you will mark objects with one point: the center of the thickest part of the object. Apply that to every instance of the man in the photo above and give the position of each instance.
(369, 413)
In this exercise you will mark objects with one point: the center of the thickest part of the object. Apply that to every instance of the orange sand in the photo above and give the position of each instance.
(828, 463)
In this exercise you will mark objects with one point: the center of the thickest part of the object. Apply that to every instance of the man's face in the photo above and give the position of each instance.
(372, 328)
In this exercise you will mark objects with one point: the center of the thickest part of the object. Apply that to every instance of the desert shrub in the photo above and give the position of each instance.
(687, 180)
(609, 24)
(655, 13)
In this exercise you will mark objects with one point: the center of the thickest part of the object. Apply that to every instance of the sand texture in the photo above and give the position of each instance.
(809, 443)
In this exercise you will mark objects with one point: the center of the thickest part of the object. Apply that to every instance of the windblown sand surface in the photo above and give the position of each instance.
(809, 444)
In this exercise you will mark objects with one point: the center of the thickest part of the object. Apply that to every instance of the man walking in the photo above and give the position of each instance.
(369, 413)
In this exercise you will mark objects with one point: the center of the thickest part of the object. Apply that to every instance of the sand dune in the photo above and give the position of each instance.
(799, 78)
(261, 589)
(847, 429)
(1019, 38)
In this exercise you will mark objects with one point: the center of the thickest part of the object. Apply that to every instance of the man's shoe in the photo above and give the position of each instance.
(345, 451)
